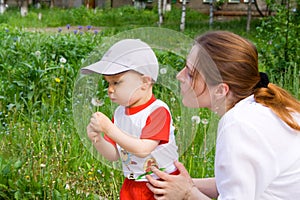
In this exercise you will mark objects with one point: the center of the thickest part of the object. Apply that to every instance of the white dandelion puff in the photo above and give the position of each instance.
(163, 70)
(37, 53)
(204, 121)
(196, 119)
(97, 102)
(62, 60)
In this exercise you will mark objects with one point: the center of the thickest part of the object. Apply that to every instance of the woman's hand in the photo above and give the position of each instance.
(171, 187)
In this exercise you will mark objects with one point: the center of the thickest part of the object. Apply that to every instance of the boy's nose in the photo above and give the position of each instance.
(110, 89)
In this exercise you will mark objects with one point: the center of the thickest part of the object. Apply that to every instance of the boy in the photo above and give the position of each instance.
(141, 133)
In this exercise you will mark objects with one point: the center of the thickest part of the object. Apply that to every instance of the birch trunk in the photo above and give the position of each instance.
(24, 8)
(249, 15)
(160, 15)
(182, 22)
(211, 13)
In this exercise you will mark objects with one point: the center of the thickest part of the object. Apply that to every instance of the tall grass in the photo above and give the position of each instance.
(42, 156)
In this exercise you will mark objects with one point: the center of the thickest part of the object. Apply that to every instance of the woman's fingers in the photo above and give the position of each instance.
(181, 169)
(154, 182)
(161, 174)
(155, 189)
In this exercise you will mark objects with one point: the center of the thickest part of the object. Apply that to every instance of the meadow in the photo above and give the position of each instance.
(44, 153)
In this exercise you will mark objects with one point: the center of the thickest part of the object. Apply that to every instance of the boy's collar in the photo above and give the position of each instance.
(136, 109)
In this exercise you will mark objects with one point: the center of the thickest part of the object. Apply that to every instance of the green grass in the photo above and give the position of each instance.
(42, 155)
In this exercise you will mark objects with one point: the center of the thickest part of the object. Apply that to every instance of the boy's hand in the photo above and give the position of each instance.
(92, 135)
(99, 123)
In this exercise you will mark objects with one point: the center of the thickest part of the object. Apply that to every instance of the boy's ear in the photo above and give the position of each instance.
(147, 79)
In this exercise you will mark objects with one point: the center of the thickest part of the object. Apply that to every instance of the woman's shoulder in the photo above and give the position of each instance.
(247, 110)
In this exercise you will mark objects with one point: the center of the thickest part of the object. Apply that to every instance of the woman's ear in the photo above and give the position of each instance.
(221, 90)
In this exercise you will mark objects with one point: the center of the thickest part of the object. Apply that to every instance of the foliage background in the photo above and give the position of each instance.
(42, 156)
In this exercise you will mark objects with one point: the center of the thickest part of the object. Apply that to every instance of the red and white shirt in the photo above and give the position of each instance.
(148, 121)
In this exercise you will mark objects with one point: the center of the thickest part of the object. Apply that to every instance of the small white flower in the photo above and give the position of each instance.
(196, 119)
(97, 102)
(163, 70)
(62, 60)
(43, 165)
(204, 121)
(173, 99)
(270, 42)
(37, 53)
(67, 187)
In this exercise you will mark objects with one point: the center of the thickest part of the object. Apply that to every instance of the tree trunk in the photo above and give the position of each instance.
(24, 8)
(2, 6)
(257, 8)
(182, 22)
(52, 3)
(160, 14)
(211, 13)
(249, 15)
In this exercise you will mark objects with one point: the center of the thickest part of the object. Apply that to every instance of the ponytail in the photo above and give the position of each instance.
(280, 102)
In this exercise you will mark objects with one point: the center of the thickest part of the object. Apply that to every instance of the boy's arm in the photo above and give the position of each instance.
(136, 146)
(141, 147)
(105, 148)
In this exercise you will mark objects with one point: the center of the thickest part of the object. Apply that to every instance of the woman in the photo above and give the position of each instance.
(258, 142)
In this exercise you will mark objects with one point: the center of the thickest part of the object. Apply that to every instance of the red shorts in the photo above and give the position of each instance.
(137, 190)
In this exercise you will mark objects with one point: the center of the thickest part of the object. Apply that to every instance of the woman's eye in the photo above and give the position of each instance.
(188, 72)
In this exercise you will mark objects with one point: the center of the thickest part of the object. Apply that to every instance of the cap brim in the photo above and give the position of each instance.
(104, 67)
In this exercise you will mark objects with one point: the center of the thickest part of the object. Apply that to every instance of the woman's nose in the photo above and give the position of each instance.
(179, 76)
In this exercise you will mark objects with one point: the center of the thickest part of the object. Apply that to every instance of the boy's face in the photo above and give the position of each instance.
(126, 88)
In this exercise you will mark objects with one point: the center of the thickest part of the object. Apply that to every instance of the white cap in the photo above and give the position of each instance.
(127, 54)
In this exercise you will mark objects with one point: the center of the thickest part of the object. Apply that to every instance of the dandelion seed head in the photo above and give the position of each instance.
(62, 60)
(196, 119)
(163, 70)
(96, 102)
(37, 53)
(204, 121)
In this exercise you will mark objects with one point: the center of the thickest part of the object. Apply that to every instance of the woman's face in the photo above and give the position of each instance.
(194, 91)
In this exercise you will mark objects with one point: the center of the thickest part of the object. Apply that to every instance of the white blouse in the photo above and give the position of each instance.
(257, 155)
